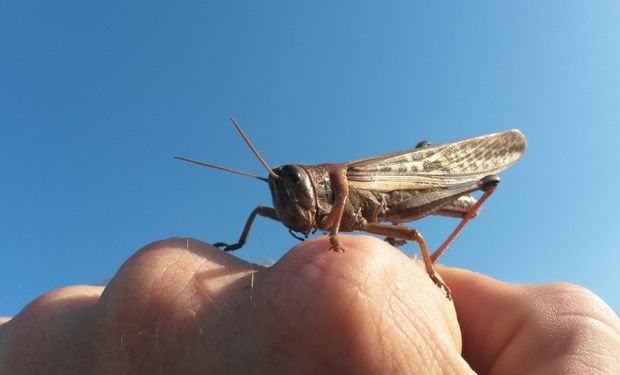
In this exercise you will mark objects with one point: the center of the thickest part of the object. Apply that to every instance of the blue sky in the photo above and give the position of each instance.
(96, 98)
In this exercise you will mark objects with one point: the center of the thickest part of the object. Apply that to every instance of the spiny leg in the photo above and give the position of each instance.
(406, 233)
(489, 183)
(260, 210)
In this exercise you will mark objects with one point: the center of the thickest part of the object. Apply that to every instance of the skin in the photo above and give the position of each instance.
(182, 306)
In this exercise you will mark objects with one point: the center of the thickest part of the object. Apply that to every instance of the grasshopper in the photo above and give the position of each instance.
(378, 194)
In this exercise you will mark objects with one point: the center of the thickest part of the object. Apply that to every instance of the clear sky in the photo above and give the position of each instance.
(96, 98)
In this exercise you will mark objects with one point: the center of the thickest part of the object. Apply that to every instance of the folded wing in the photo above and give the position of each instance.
(439, 166)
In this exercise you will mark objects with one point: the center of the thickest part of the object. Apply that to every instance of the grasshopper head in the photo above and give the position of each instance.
(293, 197)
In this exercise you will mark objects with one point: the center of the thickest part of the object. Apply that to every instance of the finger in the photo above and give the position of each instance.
(550, 328)
(370, 307)
(43, 329)
(171, 272)
(163, 302)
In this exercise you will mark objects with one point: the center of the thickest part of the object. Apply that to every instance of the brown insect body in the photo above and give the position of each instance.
(304, 198)
(377, 194)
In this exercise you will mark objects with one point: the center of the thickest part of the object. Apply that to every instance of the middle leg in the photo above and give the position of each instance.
(406, 233)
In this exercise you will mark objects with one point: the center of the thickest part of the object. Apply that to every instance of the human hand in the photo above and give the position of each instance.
(182, 306)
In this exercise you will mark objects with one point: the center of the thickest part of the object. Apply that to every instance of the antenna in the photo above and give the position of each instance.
(247, 141)
(221, 168)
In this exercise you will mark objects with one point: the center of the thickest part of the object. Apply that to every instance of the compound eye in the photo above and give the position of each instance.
(292, 173)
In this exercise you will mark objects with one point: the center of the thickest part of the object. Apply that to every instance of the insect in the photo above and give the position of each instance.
(378, 194)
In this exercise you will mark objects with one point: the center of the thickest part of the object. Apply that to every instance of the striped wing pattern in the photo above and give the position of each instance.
(442, 165)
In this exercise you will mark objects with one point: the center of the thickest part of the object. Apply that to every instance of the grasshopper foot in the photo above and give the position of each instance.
(335, 245)
(442, 285)
(226, 247)
(396, 242)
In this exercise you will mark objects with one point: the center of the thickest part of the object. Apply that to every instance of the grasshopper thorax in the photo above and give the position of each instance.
(293, 197)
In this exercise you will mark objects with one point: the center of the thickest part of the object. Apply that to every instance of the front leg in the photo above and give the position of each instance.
(260, 210)
(340, 186)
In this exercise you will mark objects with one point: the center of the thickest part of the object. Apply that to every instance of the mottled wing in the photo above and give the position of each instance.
(438, 166)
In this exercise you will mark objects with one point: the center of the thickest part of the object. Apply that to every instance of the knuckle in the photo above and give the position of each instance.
(164, 259)
(572, 309)
(567, 319)
(165, 274)
(38, 322)
(42, 305)
(154, 266)
(567, 296)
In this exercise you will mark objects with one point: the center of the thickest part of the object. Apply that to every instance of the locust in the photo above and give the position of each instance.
(378, 194)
